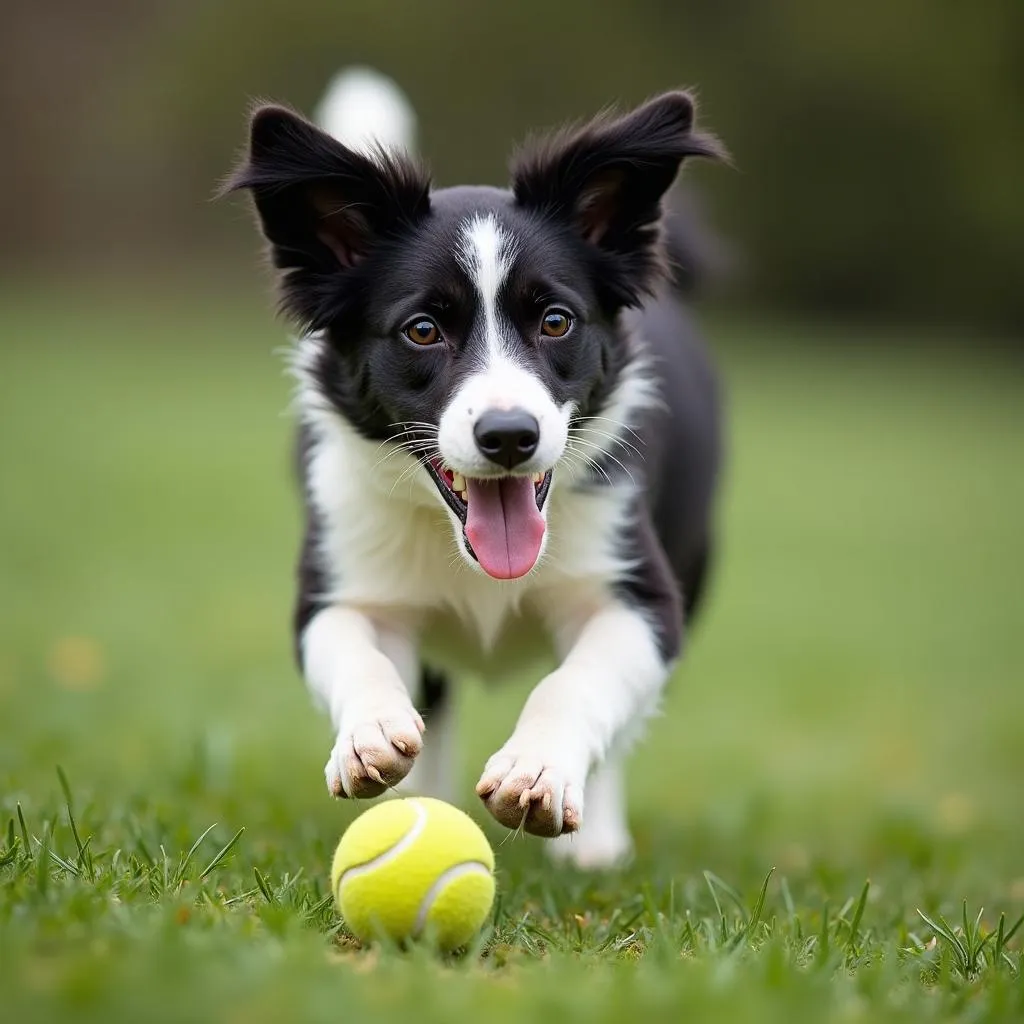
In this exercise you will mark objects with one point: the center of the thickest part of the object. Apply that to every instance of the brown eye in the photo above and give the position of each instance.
(556, 323)
(422, 331)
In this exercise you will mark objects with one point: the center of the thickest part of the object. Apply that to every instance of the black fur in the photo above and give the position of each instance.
(321, 204)
(434, 692)
(607, 179)
(363, 245)
(311, 577)
(676, 451)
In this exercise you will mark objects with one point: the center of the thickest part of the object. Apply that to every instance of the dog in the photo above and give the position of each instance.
(509, 444)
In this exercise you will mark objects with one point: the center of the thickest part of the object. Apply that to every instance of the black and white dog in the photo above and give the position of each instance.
(509, 445)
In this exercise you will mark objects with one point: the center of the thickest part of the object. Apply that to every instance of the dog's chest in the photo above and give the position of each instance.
(387, 544)
(405, 561)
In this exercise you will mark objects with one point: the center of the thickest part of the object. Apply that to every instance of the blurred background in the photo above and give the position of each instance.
(878, 145)
(860, 663)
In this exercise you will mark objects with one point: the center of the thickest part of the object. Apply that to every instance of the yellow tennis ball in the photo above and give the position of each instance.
(409, 868)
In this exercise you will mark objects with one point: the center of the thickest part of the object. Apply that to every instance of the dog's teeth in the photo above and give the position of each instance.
(458, 482)
(464, 495)
(537, 477)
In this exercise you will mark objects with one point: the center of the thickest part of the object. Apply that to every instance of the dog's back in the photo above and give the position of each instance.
(682, 440)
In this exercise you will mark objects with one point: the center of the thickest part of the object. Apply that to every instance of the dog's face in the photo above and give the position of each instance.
(472, 326)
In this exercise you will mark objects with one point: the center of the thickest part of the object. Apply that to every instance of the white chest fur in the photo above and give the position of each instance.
(389, 543)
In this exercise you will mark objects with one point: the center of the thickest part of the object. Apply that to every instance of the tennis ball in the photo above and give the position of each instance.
(409, 868)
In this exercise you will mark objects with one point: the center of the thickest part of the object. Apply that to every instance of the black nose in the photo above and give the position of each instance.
(507, 437)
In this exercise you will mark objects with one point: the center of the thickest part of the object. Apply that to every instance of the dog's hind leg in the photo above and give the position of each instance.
(434, 773)
(603, 840)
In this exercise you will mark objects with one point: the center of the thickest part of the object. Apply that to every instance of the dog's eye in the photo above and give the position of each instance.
(556, 323)
(422, 331)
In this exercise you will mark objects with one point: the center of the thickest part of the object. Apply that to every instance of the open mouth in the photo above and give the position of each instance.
(501, 517)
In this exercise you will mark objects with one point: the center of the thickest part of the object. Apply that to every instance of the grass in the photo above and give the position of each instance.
(828, 814)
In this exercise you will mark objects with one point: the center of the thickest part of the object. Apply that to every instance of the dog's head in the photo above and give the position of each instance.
(473, 326)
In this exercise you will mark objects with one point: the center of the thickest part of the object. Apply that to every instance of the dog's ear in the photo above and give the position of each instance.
(322, 206)
(607, 179)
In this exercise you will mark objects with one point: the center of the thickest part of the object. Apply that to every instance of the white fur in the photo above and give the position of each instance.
(435, 771)
(487, 254)
(610, 434)
(391, 541)
(363, 108)
(392, 547)
(399, 576)
(501, 385)
(378, 732)
(612, 676)
(636, 389)
(603, 839)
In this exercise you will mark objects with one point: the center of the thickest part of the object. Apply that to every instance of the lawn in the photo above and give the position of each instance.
(840, 753)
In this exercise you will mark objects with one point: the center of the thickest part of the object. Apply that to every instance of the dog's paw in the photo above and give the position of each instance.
(375, 749)
(523, 786)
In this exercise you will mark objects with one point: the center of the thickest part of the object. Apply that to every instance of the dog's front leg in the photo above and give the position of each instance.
(609, 681)
(357, 669)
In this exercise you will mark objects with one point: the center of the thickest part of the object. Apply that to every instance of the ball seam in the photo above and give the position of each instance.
(410, 837)
(467, 867)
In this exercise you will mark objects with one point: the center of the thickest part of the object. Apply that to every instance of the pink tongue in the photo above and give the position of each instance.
(504, 525)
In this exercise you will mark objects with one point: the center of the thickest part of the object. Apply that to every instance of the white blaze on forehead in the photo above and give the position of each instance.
(486, 253)
(499, 379)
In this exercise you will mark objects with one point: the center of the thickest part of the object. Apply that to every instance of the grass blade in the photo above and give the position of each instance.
(787, 899)
(183, 867)
(43, 863)
(858, 914)
(240, 897)
(64, 786)
(1000, 938)
(264, 887)
(1005, 936)
(755, 914)
(65, 864)
(318, 908)
(823, 936)
(84, 860)
(26, 844)
(945, 932)
(223, 853)
(1013, 931)
(729, 891)
(977, 920)
(144, 853)
(723, 930)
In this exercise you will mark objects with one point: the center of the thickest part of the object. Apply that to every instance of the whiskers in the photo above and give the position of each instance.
(615, 434)
(590, 444)
(415, 438)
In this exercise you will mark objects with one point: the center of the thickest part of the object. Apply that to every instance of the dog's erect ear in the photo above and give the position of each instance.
(607, 179)
(322, 206)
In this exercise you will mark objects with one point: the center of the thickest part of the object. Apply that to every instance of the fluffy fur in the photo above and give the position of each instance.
(509, 440)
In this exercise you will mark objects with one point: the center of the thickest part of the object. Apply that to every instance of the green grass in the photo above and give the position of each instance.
(851, 708)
